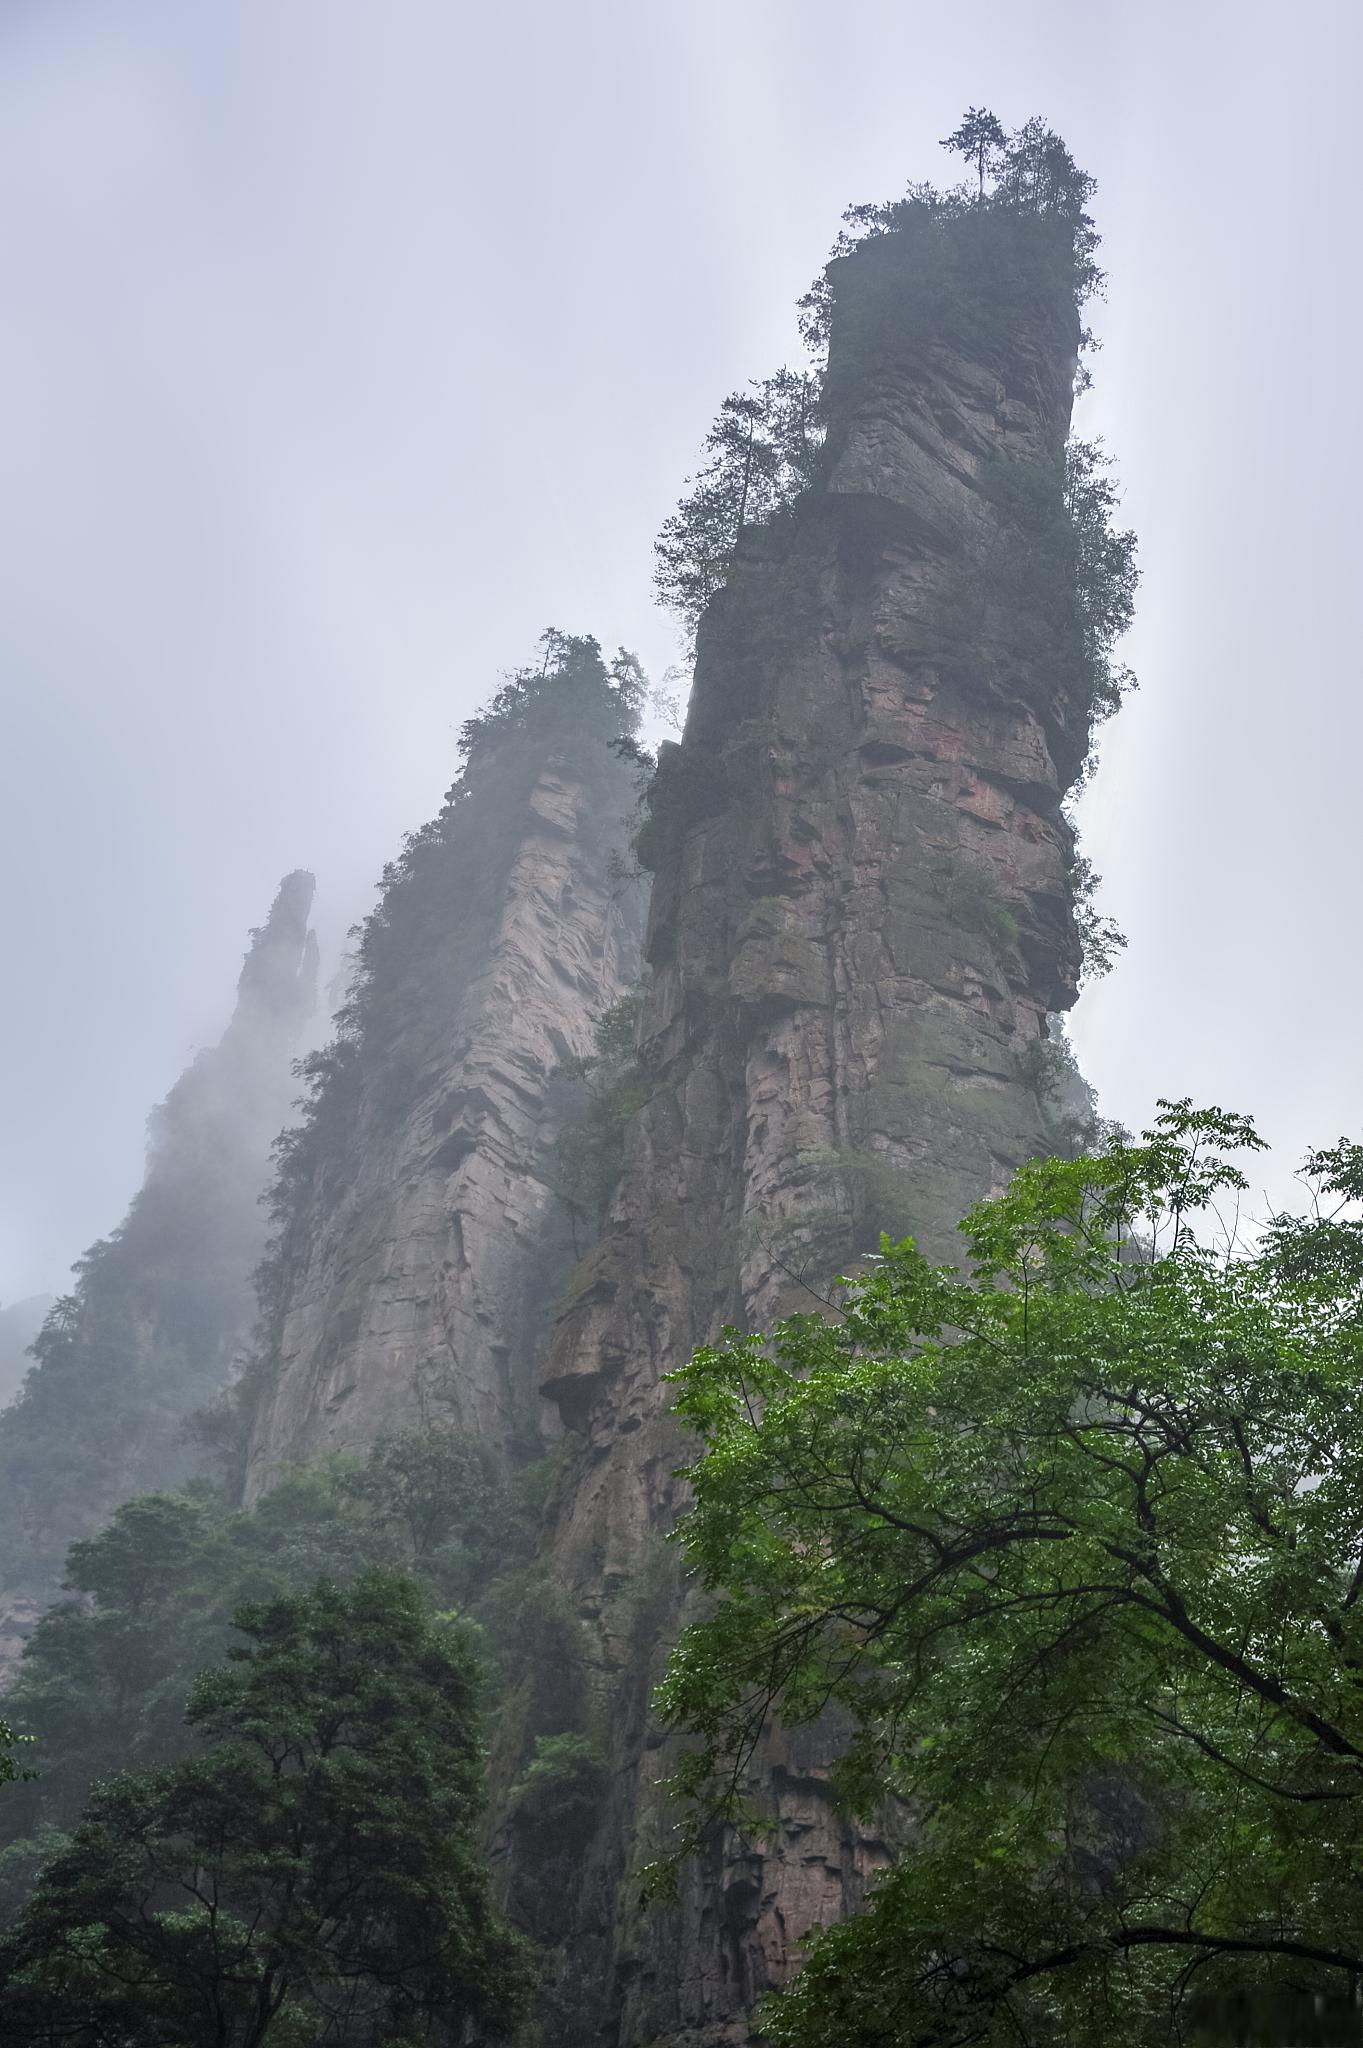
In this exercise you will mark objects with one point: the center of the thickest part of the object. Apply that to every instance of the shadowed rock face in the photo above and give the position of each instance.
(861, 917)
(422, 1259)
(161, 1307)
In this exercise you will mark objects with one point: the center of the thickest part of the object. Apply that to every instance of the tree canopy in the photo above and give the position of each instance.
(310, 1874)
(763, 450)
(763, 447)
(1073, 1542)
(105, 1676)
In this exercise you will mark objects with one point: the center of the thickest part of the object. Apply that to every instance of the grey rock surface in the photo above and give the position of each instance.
(420, 1269)
(860, 919)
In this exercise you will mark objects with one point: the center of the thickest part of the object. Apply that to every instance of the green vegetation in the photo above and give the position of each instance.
(1057, 589)
(763, 453)
(1069, 1104)
(1044, 613)
(973, 900)
(440, 896)
(438, 904)
(9, 1769)
(147, 1335)
(609, 1085)
(1100, 938)
(1071, 1543)
(764, 446)
(155, 1596)
(1025, 225)
(555, 1811)
(310, 1873)
(105, 1676)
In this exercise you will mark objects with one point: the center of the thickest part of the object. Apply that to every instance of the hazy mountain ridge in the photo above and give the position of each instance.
(161, 1307)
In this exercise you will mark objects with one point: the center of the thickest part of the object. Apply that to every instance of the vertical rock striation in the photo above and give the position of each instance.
(162, 1307)
(422, 1243)
(861, 917)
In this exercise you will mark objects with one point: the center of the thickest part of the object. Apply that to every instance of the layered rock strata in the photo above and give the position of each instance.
(424, 1247)
(861, 917)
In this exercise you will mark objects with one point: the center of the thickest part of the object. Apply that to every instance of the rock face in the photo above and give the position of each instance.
(424, 1244)
(163, 1305)
(861, 917)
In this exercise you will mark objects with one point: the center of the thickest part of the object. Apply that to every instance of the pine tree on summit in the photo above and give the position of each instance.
(981, 140)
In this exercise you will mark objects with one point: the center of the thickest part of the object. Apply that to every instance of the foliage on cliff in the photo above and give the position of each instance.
(1074, 1544)
(967, 256)
(105, 1676)
(1026, 223)
(9, 1769)
(1041, 613)
(440, 898)
(763, 452)
(309, 1872)
(608, 1087)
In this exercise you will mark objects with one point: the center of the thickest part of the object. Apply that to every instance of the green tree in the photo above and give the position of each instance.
(981, 140)
(105, 1676)
(763, 450)
(610, 1087)
(1074, 1544)
(1104, 569)
(9, 1770)
(310, 1875)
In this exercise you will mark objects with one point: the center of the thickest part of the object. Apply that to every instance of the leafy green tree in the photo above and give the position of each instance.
(1073, 1543)
(310, 1875)
(9, 1770)
(981, 140)
(1100, 938)
(611, 1085)
(1104, 568)
(763, 450)
(104, 1680)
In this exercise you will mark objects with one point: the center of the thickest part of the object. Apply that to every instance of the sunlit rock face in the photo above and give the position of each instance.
(420, 1265)
(861, 917)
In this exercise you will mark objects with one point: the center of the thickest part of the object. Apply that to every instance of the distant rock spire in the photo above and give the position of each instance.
(163, 1306)
(278, 977)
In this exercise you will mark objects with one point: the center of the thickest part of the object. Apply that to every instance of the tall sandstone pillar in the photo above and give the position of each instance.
(422, 1248)
(861, 917)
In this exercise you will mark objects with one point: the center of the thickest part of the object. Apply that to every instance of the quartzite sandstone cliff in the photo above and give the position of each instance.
(861, 917)
(422, 1253)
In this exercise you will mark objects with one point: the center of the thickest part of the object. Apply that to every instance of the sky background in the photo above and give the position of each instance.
(348, 346)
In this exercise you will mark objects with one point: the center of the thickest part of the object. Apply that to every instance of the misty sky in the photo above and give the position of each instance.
(349, 345)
